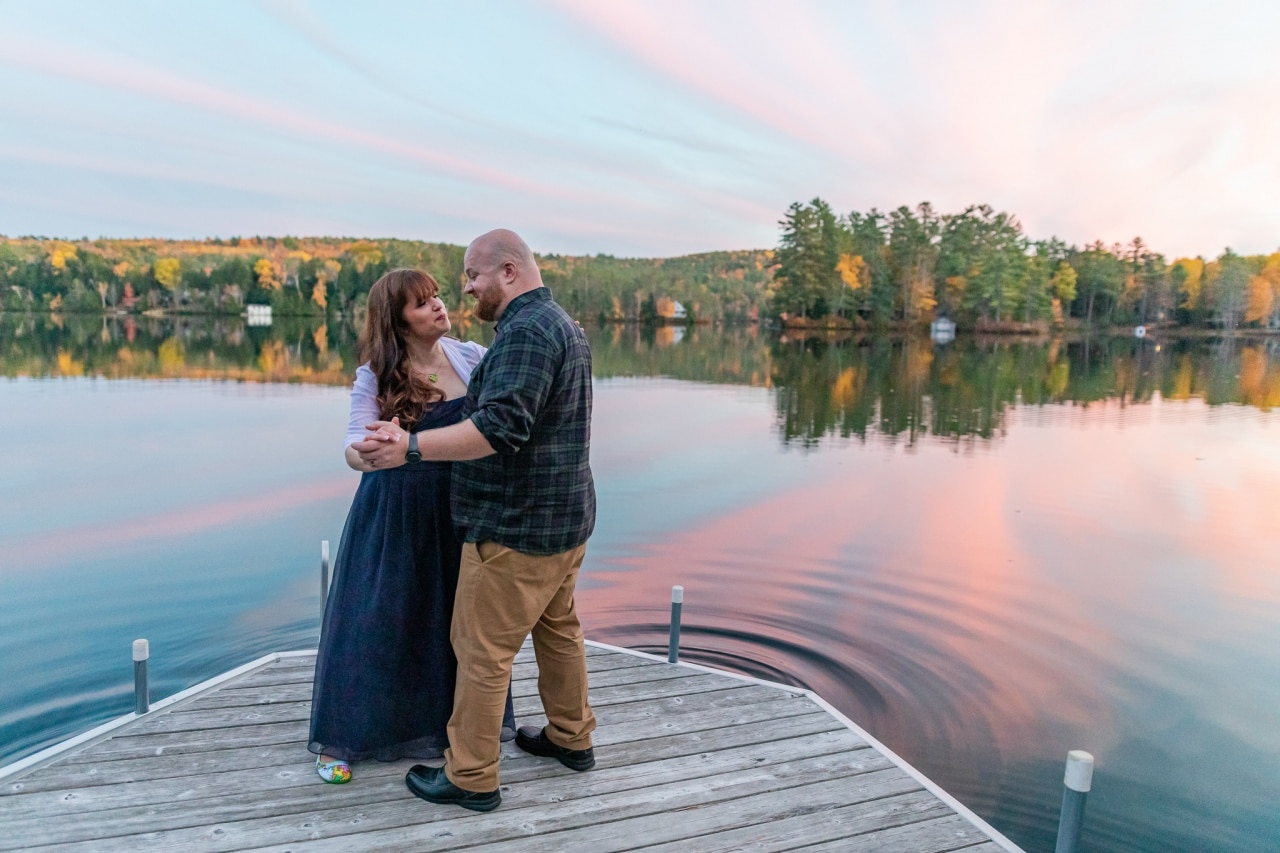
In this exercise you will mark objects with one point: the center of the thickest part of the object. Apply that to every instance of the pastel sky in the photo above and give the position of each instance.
(638, 127)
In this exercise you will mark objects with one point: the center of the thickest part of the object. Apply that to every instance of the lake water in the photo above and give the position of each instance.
(986, 553)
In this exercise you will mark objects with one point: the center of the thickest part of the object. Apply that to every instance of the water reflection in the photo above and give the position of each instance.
(1099, 571)
(1087, 581)
(898, 388)
(908, 388)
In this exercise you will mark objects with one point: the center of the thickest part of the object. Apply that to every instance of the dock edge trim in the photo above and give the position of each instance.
(929, 785)
(57, 749)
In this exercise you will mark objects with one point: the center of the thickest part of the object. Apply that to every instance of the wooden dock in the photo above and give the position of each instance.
(688, 759)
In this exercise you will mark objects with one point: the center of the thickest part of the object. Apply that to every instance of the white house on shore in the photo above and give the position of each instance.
(258, 315)
(942, 330)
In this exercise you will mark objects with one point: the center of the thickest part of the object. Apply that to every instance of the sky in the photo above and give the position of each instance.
(638, 127)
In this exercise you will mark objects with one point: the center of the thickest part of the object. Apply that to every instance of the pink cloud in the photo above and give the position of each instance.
(1062, 114)
(786, 97)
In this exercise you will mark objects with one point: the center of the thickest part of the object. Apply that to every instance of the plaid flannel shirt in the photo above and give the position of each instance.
(530, 396)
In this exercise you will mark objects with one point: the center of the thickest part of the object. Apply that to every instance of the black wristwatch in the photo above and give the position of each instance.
(413, 455)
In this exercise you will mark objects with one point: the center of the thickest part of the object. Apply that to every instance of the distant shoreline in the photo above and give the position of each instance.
(816, 329)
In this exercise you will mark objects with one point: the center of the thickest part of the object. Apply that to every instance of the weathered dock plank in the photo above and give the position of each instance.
(786, 830)
(687, 758)
(384, 782)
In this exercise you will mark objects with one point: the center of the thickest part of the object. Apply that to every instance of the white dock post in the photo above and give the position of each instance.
(673, 642)
(324, 577)
(1077, 782)
(141, 696)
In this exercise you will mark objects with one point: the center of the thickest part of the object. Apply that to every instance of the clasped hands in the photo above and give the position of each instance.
(385, 446)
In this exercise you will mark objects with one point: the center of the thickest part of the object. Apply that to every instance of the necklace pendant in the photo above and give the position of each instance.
(433, 377)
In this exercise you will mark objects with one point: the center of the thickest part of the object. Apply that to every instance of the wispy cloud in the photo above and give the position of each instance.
(661, 127)
(129, 75)
(302, 19)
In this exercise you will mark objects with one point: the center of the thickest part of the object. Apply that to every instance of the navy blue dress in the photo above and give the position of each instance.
(385, 669)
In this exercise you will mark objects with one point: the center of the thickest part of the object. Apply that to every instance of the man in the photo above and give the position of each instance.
(524, 494)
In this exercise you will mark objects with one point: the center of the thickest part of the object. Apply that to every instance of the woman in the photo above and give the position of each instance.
(385, 670)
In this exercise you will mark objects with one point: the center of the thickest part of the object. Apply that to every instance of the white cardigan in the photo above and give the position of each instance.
(462, 355)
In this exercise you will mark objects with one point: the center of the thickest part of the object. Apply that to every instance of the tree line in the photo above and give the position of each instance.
(876, 270)
(321, 276)
(979, 269)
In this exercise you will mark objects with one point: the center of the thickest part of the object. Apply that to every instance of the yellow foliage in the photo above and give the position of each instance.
(664, 336)
(67, 366)
(171, 355)
(1183, 380)
(1212, 270)
(853, 271)
(364, 253)
(918, 361)
(273, 358)
(1193, 283)
(1258, 386)
(321, 339)
(1261, 299)
(329, 272)
(848, 386)
(1264, 291)
(924, 298)
(318, 294)
(60, 253)
(269, 276)
(1059, 377)
(120, 269)
(168, 271)
(1063, 283)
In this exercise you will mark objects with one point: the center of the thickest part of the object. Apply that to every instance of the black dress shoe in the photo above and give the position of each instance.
(535, 742)
(432, 785)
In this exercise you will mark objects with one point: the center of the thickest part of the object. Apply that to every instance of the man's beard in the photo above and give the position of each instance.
(487, 305)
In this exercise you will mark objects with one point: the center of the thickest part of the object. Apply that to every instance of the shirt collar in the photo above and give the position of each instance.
(538, 294)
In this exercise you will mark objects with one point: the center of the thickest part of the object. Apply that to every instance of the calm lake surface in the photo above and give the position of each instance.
(986, 553)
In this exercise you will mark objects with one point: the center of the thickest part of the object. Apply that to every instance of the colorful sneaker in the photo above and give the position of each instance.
(333, 772)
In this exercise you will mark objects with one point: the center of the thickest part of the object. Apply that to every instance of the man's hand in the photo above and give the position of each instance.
(385, 447)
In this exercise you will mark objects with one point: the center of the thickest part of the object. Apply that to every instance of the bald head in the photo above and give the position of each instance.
(499, 266)
(500, 246)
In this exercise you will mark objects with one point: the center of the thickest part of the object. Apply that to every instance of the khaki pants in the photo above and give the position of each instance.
(503, 595)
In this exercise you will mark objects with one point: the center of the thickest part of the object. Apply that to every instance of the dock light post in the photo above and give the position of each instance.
(141, 696)
(324, 577)
(1077, 782)
(673, 643)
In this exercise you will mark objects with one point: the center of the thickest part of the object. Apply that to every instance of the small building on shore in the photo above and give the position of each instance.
(942, 330)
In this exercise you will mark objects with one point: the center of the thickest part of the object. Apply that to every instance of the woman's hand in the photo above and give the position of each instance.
(385, 447)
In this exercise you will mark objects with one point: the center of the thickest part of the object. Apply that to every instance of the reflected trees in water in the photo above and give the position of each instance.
(825, 386)
(904, 388)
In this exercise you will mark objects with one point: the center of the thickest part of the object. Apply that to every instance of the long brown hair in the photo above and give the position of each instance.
(382, 344)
